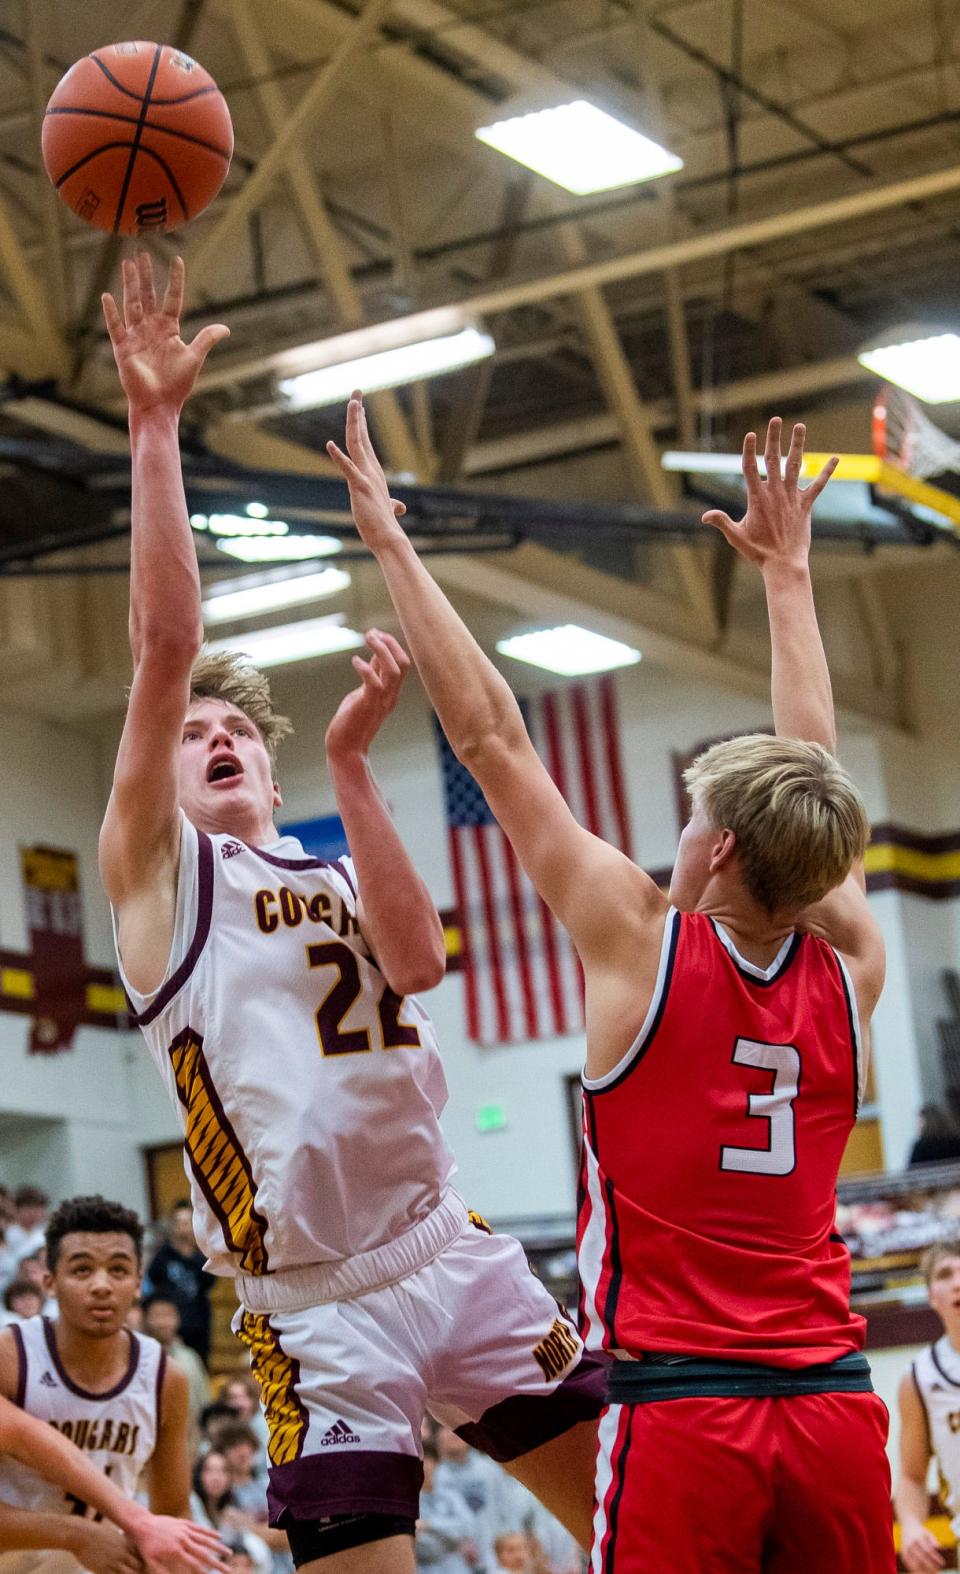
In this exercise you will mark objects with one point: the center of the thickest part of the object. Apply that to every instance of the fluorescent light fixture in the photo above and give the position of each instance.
(441, 322)
(581, 148)
(279, 549)
(569, 650)
(707, 464)
(258, 510)
(269, 592)
(928, 368)
(239, 525)
(293, 641)
(408, 363)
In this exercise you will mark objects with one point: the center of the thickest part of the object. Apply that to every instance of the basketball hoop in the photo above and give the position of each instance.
(905, 437)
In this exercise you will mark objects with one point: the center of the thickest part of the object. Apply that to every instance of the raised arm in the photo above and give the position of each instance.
(397, 915)
(774, 534)
(483, 722)
(167, 1546)
(139, 841)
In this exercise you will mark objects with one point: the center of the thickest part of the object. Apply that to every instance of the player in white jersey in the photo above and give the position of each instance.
(929, 1401)
(274, 991)
(96, 1387)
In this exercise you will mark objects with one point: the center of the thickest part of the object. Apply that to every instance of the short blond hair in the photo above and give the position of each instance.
(799, 821)
(936, 1254)
(230, 676)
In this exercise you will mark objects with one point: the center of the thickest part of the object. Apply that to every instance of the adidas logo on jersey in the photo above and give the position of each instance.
(339, 1433)
(230, 849)
(48, 1380)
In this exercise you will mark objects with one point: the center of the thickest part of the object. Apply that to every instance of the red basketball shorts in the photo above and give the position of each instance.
(796, 1485)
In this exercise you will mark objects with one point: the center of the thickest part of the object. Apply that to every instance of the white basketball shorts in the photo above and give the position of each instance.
(470, 1336)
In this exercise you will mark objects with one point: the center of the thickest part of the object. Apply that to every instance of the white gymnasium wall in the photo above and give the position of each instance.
(50, 792)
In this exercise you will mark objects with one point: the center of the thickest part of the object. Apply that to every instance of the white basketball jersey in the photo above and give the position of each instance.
(936, 1374)
(117, 1430)
(309, 1093)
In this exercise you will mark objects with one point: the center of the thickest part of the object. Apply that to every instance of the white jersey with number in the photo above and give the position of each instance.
(117, 1430)
(309, 1093)
(936, 1374)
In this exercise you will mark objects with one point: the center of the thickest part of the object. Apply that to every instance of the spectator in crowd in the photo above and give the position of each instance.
(33, 1268)
(177, 1271)
(161, 1319)
(499, 1503)
(25, 1235)
(512, 1553)
(8, 1257)
(212, 1503)
(242, 1395)
(446, 1528)
(21, 1301)
(248, 1489)
(213, 1418)
(938, 1136)
(239, 1447)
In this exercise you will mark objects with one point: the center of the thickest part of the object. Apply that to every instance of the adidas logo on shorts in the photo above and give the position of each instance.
(339, 1433)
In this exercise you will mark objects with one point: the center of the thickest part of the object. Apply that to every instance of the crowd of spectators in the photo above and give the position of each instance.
(474, 1518)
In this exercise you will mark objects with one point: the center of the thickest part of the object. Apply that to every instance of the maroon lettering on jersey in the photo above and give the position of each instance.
(710, 1159)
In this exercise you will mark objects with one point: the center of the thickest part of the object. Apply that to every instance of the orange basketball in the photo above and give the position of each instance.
(137, 137)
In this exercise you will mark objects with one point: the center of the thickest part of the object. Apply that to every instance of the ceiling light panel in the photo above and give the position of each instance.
(289, 642)
(569, 650)
(927, 368)
(256, 593)
(581, 148)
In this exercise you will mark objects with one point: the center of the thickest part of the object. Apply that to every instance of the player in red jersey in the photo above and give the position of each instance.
(726, 1032)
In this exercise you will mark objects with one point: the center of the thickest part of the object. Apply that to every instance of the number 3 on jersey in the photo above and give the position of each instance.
(340, 998)
(776, 1108)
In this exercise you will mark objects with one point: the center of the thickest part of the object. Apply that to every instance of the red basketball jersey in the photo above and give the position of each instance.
(710, 1159)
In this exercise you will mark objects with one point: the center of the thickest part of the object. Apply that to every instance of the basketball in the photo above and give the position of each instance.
(137, 137)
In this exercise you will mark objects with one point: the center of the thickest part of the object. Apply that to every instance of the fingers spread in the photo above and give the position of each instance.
(812, 492)
(173, 297)
(344, 464)
(395, 648)
(132, 307)
(795, 455)
(148, 295)
(771, 453)
(720, 521)
(354, 430)
(751, 473)
(205, 340)
(112, 318)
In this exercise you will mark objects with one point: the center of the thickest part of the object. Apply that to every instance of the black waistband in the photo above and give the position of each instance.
(659, 1376)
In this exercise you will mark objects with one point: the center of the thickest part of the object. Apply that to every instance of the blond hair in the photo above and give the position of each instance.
(230, 676)
(798, 819)
(935, 1254)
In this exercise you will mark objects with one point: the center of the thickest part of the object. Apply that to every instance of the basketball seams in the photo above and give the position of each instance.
(110, 147)
(138, 137)
(149, 125)
(184, 98)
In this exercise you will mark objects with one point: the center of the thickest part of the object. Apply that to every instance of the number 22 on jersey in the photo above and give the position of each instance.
(343, 995)
(775, 1107)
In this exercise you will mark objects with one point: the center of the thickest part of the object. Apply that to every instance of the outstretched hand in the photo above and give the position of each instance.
(776, 526)
(157, 369)
(362, 712)
(375, 512)
(177, 1546)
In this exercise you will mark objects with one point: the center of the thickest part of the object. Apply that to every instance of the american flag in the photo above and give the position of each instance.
(522, 976)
